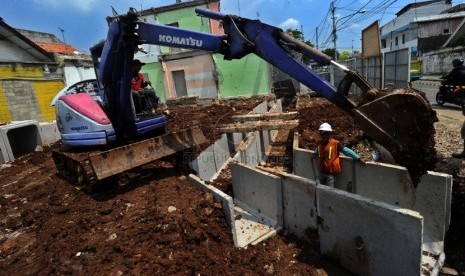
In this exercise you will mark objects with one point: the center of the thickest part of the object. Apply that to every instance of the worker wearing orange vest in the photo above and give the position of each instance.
(137, 89)
(328, 150)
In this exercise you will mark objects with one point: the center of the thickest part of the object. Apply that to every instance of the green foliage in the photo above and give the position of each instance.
(330, 52)
(345, 55)
(299, 35)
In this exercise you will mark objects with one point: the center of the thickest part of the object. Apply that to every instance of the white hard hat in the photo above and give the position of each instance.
(325, 127)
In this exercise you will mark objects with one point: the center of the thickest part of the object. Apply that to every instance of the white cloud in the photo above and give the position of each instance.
(290, 23)
(80, 5)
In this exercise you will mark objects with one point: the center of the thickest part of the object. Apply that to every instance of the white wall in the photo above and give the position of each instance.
(406, 18)
(12, 53)
(75, 74)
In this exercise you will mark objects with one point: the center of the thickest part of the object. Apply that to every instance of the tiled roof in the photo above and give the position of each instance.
(57, 48)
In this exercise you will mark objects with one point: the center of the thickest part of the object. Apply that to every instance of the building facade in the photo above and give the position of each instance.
(73, 65)
(176, 72)
(402, 31)
(27, 78)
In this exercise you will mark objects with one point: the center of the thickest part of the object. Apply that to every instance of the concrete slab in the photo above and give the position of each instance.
(4, 156)
(433, 257)
(391, 184)
(250, 152)
(304, 164)
(299, 206)
(346, 179)
(264, 142)
(204, 164)
(246, 228)
(225, 200)
(276, 108)
(234, 140)
(49, 132)
(251, 227)
(20, 137)
(221, 152)
(259, 190)
(369, 237)
(261, 108)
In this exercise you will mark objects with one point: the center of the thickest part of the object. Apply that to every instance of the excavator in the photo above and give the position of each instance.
(401, 120)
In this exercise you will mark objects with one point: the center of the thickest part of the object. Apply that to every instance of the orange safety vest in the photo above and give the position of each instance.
(137, 84)
(329, 157)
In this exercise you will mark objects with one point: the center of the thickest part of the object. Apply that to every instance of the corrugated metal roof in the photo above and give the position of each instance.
(440, 17)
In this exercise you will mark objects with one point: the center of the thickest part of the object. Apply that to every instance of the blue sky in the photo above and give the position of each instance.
(84, 20)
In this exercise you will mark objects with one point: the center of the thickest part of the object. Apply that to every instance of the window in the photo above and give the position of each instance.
(446, 31)
(397, 41)
(383, 43)
(403, 38)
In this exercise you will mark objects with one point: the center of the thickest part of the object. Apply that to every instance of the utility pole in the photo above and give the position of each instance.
(316, 38)
(352, 48)
(302, 31)
(333, 16)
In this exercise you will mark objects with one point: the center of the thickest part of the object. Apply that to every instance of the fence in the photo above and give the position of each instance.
(392, 67)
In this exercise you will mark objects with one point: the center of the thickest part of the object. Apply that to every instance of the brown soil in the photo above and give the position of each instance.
(157, 223)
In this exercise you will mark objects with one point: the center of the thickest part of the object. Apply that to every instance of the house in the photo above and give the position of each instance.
(440, 31)
(27, 79)
(176, 72)
(73, 65)
(402, 31)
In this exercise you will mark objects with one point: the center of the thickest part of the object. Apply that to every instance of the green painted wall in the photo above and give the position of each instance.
(245, 77)
(186, 18)
(155, 74)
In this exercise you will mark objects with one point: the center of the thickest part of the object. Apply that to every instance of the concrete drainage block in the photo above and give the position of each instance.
(19, 138)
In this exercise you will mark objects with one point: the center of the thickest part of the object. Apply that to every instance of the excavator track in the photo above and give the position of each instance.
(90, 169)
(75, 168)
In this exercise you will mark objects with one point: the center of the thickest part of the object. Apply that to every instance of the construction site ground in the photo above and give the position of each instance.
(155, 222)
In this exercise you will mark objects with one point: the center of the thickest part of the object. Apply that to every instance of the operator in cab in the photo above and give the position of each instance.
(328, 150)
(143, 100)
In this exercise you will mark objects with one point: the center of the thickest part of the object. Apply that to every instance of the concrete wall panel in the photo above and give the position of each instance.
(251, 155)
(391, 184)
(225, 200)
(204, 164)
(299, 206)
(345, 180)
(49, 133)
(259, 190)
(221, 151)
(368, 237)
(4, 155)
(260, 109)
(304, 164)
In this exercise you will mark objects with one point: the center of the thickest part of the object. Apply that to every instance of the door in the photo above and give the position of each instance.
(179, 79)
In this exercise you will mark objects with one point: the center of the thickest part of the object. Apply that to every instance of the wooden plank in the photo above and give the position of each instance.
(266, 116)
(260, 125)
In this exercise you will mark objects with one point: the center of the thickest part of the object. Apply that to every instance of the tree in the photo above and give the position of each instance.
(345, 55)
(300, 36)
(330, 52)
